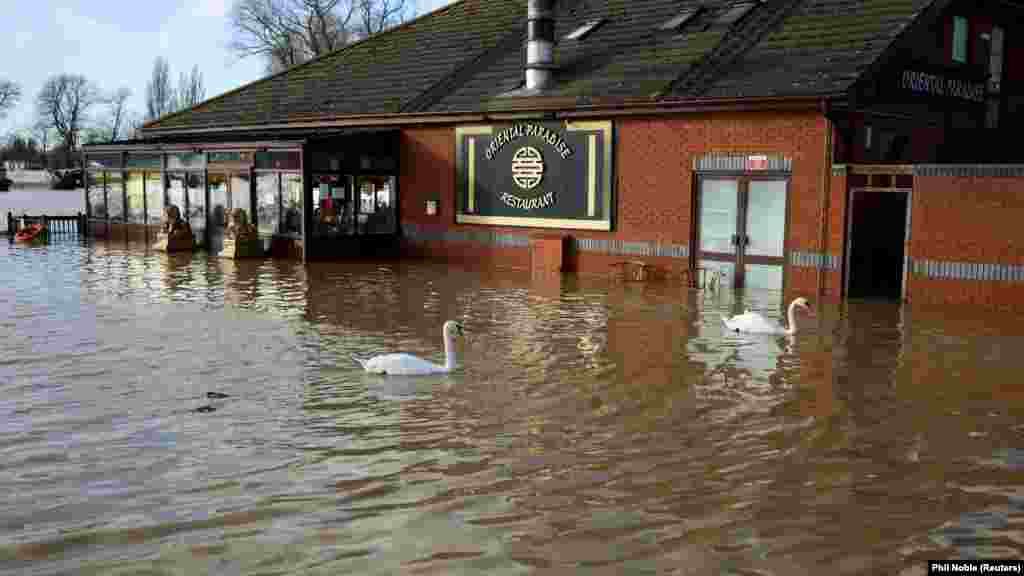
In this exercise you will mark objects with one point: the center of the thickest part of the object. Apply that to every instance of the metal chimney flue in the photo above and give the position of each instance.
(540, 44)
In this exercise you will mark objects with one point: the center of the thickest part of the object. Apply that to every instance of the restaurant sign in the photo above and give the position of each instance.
(540, 174)
(938, 85)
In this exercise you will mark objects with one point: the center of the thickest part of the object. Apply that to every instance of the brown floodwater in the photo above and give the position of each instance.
(593, 426)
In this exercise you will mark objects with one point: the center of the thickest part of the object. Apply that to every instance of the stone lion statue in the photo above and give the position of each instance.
(238, 225)
(241, 239)
(176, 234)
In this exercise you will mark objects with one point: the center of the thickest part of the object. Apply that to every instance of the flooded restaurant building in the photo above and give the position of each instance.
(836, 148)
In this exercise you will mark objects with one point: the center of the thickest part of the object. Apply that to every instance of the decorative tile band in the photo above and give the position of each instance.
(967, 271)
(622, 248)
(738, 162)
(814, 260)
(416, 233)
(971, 170)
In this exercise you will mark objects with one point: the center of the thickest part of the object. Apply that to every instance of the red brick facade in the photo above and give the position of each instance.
(973, 220)
(654, 181)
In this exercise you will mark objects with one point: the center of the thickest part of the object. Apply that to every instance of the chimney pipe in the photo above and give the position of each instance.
(540, 44)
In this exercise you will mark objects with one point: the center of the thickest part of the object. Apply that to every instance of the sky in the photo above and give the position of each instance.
(114, 43)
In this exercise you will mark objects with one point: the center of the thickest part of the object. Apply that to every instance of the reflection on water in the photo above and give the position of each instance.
(179, 414)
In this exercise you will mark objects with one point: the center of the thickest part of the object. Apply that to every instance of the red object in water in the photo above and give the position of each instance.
(30, 233)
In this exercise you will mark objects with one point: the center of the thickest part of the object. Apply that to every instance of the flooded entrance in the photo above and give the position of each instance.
(742, 230)
(193, 415)
(876, 254)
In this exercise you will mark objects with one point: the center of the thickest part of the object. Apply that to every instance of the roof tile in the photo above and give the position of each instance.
(467, 57)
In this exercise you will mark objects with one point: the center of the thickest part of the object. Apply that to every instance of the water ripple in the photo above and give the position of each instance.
(185, 414)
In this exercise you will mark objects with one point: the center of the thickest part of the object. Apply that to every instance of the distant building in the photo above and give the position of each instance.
(782, 142)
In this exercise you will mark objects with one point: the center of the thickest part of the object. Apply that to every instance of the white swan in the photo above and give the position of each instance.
(409, 365)
(754, 322)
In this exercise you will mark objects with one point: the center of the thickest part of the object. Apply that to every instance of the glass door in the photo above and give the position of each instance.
(718, 219)
(742, 230)
(764, 236)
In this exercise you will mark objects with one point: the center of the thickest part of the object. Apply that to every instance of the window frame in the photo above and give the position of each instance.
(585, 29)
(959, 52)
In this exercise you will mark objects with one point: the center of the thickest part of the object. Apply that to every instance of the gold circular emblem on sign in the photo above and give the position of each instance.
(527, 167)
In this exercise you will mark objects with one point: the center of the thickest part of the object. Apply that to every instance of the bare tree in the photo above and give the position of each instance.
(41, 132)
(190, 89)
(378, 15)
(10, 95)
(290, 32)
(135, 123)
(63, 104)
(159, 94)
(117, 113)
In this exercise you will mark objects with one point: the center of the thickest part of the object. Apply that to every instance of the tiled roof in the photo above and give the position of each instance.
(627, 56)
(377, 75)
(469, 56)
(823, 46)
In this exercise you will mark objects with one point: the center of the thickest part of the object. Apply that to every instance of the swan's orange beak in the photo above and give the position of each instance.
(809, 310)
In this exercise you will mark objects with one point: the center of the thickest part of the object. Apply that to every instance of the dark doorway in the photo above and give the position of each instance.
(878, 223)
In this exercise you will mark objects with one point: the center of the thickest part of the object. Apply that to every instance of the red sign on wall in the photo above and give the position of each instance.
(759, 162)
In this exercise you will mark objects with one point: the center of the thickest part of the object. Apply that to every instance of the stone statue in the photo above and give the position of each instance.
(238, 225)
(241, 239)
(175, 233)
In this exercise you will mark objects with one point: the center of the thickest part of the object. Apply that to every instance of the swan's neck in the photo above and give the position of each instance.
(791, 316)
(449, 352)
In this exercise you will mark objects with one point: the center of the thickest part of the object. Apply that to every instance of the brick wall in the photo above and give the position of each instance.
(967, 242)
(654, 178)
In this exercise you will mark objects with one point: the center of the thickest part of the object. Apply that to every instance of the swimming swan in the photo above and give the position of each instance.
(754, 322)
(409, 365)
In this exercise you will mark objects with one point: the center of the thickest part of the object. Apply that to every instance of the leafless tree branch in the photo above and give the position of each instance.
(10, 95)
(191, 90)
(117, 112)
(290, 32)
(160, 97)
(63, 103)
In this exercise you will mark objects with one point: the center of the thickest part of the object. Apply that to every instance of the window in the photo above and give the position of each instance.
(197, 205)
(97, 207)
(154, 198)
(960, 39)
(219, 203)
(681, 19)
(367, 198)
(585, 29)
(134, 185)
(185, 161)
(241, 195)
(377, 205)
(734, 13)
(279, 160)
(268, 210)
(115, 196)
(291, 203)
(333, 213)
(176, 193)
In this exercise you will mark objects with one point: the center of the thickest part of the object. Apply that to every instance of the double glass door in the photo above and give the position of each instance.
(742, 230)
